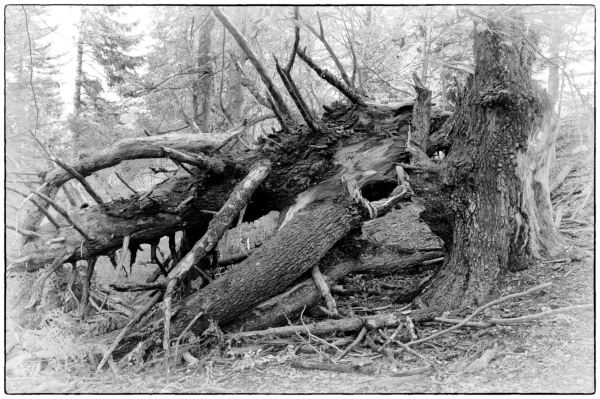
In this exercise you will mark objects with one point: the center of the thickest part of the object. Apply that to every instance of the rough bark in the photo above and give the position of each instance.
(126, 149)
(478, 199)
(277, 310)
(311, 166)
(222, 220)
(270, 269)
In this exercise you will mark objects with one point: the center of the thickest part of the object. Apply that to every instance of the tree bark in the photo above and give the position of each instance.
(78, 70)
(480, 200)
(277, 310)
(270, 269)
(203, 88)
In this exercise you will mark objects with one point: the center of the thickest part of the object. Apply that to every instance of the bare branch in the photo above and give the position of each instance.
(189, 121)
(296, 96)
(64, 214)
(79, 178)
(290, 64)
(321, 37)
(125, 183)
(350, 93)
(245, 46)
(24, 232)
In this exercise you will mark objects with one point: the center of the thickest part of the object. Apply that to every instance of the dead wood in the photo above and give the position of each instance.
(126, 149)
(323, 289)
(415, 371)
(305, 294)
(23, 232)
(321, 37)
(369, 370)
(125, 183)
(79, 178)
(138, 316)
(245, 46)
(272, 267)
(358, 340)
(421, 118)
(517, 320)
(560, 178)
(324, 74)
(480, 309)
(39, 284)
(218, 225)
(91, 263)
(345, 325)
(64, 214)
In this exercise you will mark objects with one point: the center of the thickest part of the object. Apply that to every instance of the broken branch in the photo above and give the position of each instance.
(125, 183)
(24, 232)
(351, 94)
(79, 178)
(516, 320)
(480, 309)
(63, 214)
(245, 46)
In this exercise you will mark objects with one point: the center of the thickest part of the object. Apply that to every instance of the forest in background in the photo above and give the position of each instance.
(189, 71)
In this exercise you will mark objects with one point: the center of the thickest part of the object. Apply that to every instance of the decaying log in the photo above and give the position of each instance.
(330, 326)
(217, 227)
(277, 310)
(560, 178)
(271, 268)
(126, 149)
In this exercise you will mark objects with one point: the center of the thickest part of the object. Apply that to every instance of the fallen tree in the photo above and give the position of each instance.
(487, 200)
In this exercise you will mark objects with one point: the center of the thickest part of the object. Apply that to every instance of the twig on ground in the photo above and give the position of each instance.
(314, 336)
(184, 332)
(536, 316)
(358, 340)
(153, 301)
(480, 309)
(406, 348)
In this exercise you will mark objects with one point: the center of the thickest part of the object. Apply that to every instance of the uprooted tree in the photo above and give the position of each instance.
(487, 200)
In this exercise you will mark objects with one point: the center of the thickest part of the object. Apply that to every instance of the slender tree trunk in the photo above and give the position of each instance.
(203, 89)
(481, 200)
(235, 89)
(78, 71)
(554, 64)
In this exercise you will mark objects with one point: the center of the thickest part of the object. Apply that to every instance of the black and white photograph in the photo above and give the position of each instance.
(299, 199)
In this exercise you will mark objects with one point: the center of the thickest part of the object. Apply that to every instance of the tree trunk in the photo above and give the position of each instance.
(235, 89)
(481, 199)
(78, 70)
(313, 169)
(297, 247)
(203, 88)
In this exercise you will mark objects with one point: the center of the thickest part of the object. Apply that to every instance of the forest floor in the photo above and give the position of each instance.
(554, 354)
